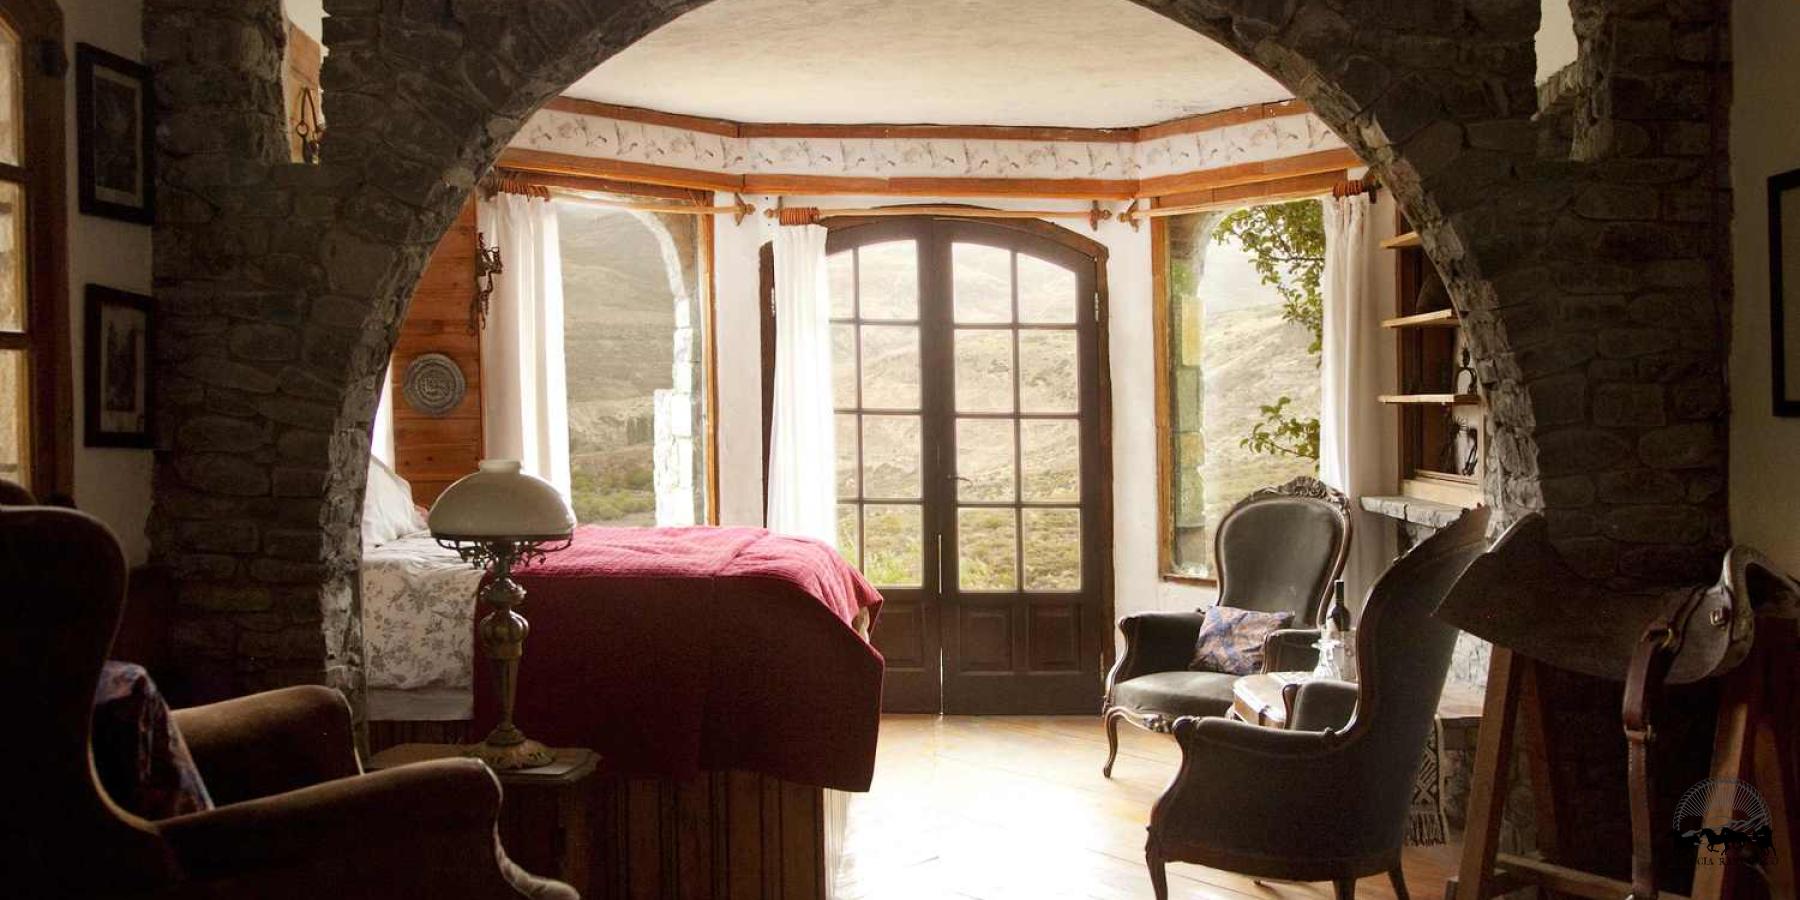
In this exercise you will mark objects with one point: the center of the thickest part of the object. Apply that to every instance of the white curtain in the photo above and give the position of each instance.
(802, 451)
(381, 442)
(524, 395)
(1353, 424)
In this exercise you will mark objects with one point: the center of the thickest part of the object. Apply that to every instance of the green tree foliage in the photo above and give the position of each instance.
(1281, 434)
(1286, 242)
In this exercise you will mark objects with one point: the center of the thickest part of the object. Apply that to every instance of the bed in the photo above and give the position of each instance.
(671, 651)
(724, 674)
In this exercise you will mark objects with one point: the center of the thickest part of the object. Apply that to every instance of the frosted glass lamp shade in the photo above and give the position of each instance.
(501, 502)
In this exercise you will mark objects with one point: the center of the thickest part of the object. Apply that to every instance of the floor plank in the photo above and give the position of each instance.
(995, 808)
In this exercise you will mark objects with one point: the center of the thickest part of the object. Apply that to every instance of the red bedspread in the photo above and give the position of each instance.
(675, 650)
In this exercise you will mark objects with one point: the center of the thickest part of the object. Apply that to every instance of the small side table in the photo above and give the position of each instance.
(1266, 698)
(544, 817)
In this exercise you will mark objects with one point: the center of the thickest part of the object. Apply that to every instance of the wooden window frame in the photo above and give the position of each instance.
(1275, 191)
(49, 448)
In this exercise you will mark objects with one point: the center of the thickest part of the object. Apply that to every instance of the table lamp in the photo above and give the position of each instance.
(495, 519)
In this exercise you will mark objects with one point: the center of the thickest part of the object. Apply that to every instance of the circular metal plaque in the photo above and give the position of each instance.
(434, 385)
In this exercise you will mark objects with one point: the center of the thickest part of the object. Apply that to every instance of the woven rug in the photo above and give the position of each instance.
(1425, 823)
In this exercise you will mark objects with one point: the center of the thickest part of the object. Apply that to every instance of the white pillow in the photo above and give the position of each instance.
(388, 510)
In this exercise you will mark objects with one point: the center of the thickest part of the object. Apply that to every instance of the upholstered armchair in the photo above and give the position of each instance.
(1279, 549)
(1326, 799)
(295, 816)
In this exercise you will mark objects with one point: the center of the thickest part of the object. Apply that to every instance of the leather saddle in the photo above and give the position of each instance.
(1522, 595)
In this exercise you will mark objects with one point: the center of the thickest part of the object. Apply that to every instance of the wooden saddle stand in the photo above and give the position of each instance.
(1537, 612)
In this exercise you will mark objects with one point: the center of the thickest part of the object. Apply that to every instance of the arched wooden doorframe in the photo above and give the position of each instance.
(931, 674)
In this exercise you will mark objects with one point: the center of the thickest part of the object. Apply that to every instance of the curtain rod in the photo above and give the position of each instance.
(1349, 187)
(810, 215)
(501, 182)
(737, 210)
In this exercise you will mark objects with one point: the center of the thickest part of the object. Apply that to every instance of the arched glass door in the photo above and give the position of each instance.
(970, 475)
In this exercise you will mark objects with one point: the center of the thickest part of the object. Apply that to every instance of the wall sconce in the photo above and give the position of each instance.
(487, 265)
(309, 127)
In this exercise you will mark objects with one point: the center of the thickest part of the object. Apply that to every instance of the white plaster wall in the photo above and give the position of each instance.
(1765, 140)
(110, 483)
(1138, 586)
(1556, 44)
(308, 16)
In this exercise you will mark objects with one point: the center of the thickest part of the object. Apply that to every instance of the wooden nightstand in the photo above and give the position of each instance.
(544, 816)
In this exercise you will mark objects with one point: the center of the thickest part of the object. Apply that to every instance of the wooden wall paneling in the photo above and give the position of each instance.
(300, 72)
(433, 451)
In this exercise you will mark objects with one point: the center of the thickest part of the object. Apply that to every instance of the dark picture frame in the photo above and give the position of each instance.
(1784, 291)
(115, 121)
(116, 392)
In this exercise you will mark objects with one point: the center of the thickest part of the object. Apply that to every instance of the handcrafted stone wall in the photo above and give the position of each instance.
(1585, 248)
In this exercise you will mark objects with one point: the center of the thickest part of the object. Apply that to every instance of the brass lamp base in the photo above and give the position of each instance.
(525, 754)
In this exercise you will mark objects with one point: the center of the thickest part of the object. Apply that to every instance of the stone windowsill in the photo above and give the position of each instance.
(1429, 513)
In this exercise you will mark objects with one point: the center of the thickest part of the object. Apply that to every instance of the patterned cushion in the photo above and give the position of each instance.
(1231, 639)
(142, 761)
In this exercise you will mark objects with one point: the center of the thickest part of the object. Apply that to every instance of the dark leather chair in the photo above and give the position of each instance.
(1327, 799)
(14, 494)
(297, 818)
(1279, 549)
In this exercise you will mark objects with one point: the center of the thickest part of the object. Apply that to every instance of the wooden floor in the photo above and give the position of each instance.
(1015, 807)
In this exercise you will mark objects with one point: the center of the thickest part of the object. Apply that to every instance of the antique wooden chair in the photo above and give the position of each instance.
(296, 818)
(1328, 798)
(1278, 549)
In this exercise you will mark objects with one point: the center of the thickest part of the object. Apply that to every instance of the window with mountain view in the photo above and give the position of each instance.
(633, 335)
(1242, 313)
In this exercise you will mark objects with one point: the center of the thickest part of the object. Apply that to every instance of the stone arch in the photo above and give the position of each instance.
(1587, 288)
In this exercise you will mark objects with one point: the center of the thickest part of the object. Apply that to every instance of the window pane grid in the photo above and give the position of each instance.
(12, 96)
(14, 295)
(887, 503)
(15, 416)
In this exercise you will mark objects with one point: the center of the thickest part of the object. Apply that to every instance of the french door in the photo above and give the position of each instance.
(970, 469)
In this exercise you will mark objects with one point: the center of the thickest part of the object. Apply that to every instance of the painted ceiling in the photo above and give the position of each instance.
(1078, 63)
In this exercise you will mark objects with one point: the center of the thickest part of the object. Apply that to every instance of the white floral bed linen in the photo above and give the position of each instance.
(418, 627)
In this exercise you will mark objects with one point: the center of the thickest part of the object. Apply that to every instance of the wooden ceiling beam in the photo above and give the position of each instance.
(1127, 135)
(1206, 184)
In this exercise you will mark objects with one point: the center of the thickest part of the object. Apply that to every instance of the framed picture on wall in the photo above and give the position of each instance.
(1784, 289)
(116, 392)
(114, 118)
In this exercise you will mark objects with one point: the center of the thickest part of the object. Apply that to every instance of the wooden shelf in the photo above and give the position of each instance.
(1402, 241)
(1437, 318)
(1432, 399)
(1439, 487)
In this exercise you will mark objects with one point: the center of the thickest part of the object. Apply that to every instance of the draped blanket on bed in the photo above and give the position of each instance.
(672, 650)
